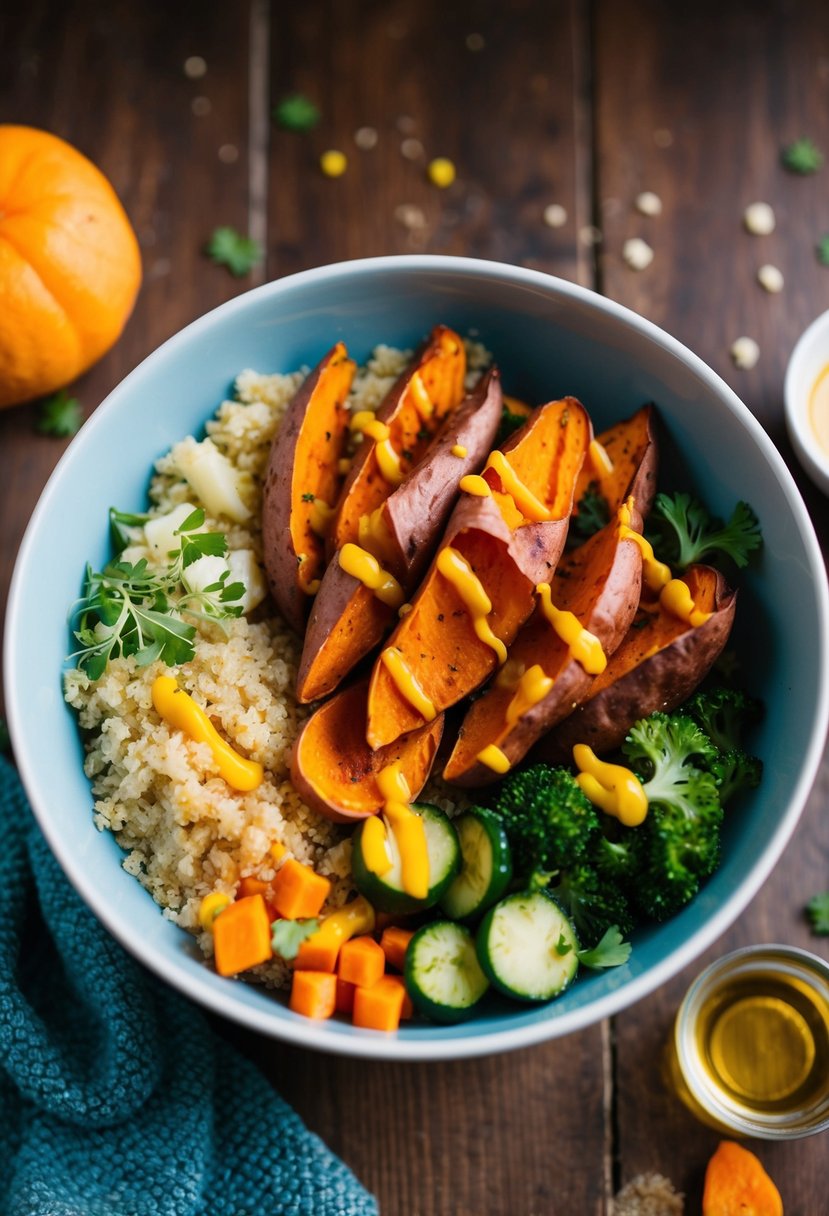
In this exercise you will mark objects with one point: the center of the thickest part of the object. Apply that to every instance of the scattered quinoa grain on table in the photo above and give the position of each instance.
(366, 138)
(441, 172)
(194, 67)
(637, 253)
(555, 216)
(770, 279)
(745, 352)
(648, 203)
(758, 219)
(412, 149)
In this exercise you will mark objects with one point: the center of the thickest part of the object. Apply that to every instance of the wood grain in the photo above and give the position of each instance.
(695, 104)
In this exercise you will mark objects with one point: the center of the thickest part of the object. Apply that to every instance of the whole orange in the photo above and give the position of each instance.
(69, 264)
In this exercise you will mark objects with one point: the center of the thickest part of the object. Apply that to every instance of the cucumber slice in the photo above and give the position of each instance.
(486, 868)
(527, 947)
(442, 972)
(385, 891)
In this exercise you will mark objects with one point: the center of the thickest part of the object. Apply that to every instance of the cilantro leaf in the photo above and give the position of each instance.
(802, 156)
(238, 253)
(60, 415)
(817, 910)
(119, 524)
(591, 514)
(562, 946)
(684, 532)
(288, 935)
(822, 249)
(296, 113)
(611, 951)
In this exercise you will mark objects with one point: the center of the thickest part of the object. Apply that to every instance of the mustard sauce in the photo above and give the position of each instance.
(407, 683)
(473, 484)
(494, 758)
(532, 687)
(458, 450)
(179, 710)
(365, 422)
(373, 533)
(819, 408)
(309, 588)
(598, 457)
(420, 397)
(510, 674)
(655, 573)
(406, 829)
(584, 646)
(361, 565)
(320, 516)
(676, 600)
(521, 495)
(457, 570)
(611, 787)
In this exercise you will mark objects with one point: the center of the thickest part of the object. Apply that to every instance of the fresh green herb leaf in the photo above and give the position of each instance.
(509, 424)
(611, 951)
(60, 415)
(288, 935)
(296, 113)
(822, 249)
(684, 532)
(308, 497)
(193, 521)
(119, 523)
(817, 910)
(802, 156)
(238, 253)
(592, 512)
(562, 946)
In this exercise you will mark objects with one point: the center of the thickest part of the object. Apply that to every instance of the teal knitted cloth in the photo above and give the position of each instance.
(116, 1098)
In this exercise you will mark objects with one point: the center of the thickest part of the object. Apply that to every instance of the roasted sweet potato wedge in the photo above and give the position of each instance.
(347, 619)
(622, 461)
(302, 482)
(547, 673)
(404, 425)
(335, 771)
(505, 535)
(658, 665)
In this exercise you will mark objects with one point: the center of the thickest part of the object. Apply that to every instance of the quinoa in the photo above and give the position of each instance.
(184, 831)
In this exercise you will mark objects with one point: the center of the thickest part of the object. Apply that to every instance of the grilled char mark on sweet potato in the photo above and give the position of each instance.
(507, 551)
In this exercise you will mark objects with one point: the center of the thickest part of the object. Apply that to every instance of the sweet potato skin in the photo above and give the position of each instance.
(335, 771)
(509, 555)
(660, 682)
(314, 427)
(347, 621)
(600, 583)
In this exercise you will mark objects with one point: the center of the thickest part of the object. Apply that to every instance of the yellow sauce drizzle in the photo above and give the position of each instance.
(473, 484)
(407, 684)
(584, 646)
(373, 533)
(510, 674)
(611, 787)
(408, 832)
(404, 610)
(494, 758)
(655, 573)
(320, 516)
(454, 567)
(365, 422)
(343, 465)
(524, 499)
(350, 920)
(676, 599)
(308, 588)
(361, 565)
(179, 710)
(598, 457)
(532, 688)
(420, 397)
(458, 450)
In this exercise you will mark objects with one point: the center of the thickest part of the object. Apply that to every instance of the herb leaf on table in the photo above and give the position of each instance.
(238, 253)
(60, 415)
(802, 156)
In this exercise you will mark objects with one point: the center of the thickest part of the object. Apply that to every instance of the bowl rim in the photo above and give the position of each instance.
(306, 1032)
(813, 458)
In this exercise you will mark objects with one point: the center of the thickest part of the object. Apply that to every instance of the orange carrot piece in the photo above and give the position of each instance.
(407, 1010)
(320, 955)
(394, 943)
(379, 1007)
(737, 1185)
(362, 962)
(313, 994)
(345, 996)
(242, 936)
(298, 892)
(252, 886)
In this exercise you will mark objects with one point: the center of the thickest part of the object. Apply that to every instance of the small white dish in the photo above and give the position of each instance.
(808, 359)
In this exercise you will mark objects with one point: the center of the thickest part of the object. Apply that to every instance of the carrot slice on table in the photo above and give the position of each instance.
(314, 994)
(298, 891)
(362, 962)
(242, 936)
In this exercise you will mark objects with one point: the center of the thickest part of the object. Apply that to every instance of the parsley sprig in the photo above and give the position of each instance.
(802, 156)
(238, 253)
(817, 910)
(131, 608)
(59, 415)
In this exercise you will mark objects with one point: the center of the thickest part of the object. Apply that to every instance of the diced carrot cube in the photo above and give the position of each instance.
(242, 936)
(379, 1007)
(394, 943)
(345, 996)
(298, 892)
(252, 886)
(277, 852)
(314, 994)
(362, 962)
(407, 1010)
(319, 955)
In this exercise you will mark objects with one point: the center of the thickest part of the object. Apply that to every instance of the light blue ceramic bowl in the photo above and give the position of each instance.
(550, 338)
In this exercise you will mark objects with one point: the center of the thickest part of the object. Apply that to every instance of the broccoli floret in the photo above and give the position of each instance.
(548, 820)
(724, 714)
(592, 903)
(685, 532)
(615, 857)
(733, 771)
(678, 845)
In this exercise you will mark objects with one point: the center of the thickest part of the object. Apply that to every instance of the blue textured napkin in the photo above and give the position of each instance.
(116, 1098)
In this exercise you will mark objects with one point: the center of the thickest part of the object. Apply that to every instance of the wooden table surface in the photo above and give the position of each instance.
(582, 104)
